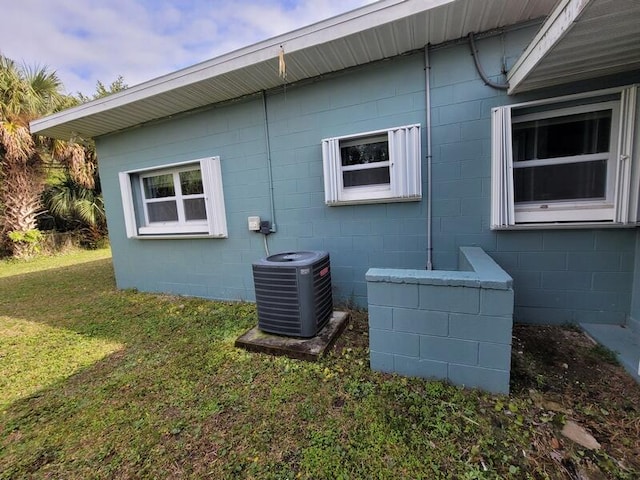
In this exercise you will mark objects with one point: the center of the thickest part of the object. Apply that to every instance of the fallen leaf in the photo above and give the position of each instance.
(575, 432)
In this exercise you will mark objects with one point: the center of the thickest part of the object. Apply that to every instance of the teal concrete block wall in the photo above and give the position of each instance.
(634, 315)
(377, 96)
(560, 276)
(447, 325)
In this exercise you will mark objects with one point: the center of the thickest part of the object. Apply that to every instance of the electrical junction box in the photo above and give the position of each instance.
(254, 224)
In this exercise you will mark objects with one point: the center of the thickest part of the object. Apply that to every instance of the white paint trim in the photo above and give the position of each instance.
(559, 23)
(362, 19)
(617, 209)
(127, 204)
(215, 226)
(405, 176)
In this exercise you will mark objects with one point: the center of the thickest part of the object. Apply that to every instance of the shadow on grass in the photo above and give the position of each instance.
(116, 413)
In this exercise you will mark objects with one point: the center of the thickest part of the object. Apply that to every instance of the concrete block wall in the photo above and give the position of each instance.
(560, 276)
(448, 325)
(371, 97)
(634, 315)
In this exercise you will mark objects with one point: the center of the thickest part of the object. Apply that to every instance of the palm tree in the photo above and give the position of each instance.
(27, 93)
(79, 206)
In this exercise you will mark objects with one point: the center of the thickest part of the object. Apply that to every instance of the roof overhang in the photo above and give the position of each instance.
(581, 39)
(380, 30)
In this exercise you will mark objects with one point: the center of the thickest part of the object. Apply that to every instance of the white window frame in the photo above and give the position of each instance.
(620, 205)
(404, 164)
(215, 225)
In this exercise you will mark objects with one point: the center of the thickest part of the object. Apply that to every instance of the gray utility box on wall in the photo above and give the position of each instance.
(293, 293)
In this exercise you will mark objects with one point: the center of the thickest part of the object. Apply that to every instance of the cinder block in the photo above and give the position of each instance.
(414, 367)
(491, 380)
(460, 112)
(542, 315)
(446, 134)
(449, 350)
(621, 240)
(334, 244)
(542, 261)
(486, 241)
(446, 171)
(394, 342)
(396, 104)
(541, 298)
(472, 90)
(464, 188)
(310, 243)
(496, 302)
(566, 280)
(476, 168)
(609, 318)
(462, 224)
(612, 281)
(467, 150)
(441, 96)
(400, 243)
(475, 129)
(481, 328)
(449, 299)
(507, 260)
(446, 207)
(381, 317)
(495, 355)
(596, 301)
(519, 241)
(567, 240)
(393, 294)
(381, 362)
(627, 260)
(593, 261)
(423, 322)
(355, 227)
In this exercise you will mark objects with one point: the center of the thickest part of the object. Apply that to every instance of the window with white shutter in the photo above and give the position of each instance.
(184, 199)
(565, 161)
(370, 167)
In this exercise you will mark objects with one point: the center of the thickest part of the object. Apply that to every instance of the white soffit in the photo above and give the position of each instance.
(380, 30)
(581, 39)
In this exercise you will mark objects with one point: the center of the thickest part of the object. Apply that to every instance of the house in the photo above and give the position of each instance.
(384, 145)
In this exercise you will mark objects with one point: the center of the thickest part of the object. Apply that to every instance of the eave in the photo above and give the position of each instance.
(374, 32)
(580, 40)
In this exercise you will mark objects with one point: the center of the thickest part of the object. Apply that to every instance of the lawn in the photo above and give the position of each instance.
(101, 383)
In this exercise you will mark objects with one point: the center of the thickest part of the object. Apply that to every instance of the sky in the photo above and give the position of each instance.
(89, 40)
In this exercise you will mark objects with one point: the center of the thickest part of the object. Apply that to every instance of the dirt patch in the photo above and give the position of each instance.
(356, 334)
(570, 378)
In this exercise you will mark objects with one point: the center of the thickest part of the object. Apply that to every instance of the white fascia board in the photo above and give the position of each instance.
(552, 31)
(361, 19)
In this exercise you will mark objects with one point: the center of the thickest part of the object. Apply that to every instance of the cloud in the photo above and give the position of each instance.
(96, 40)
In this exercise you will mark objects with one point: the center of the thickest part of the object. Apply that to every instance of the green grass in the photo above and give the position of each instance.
(100, 383)
(9, 267)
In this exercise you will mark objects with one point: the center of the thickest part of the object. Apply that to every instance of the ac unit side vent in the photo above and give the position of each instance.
(293, 293)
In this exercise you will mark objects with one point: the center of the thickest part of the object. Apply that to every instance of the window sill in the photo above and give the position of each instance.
(367, 201)
(175, 236)
(563, 226)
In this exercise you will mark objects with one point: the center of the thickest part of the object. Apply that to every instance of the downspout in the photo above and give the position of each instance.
(483, 75)
(427, 101)
(269, 166)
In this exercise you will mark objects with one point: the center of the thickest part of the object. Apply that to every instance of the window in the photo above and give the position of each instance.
(565, 161)
(180, 199)
(380, 166)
